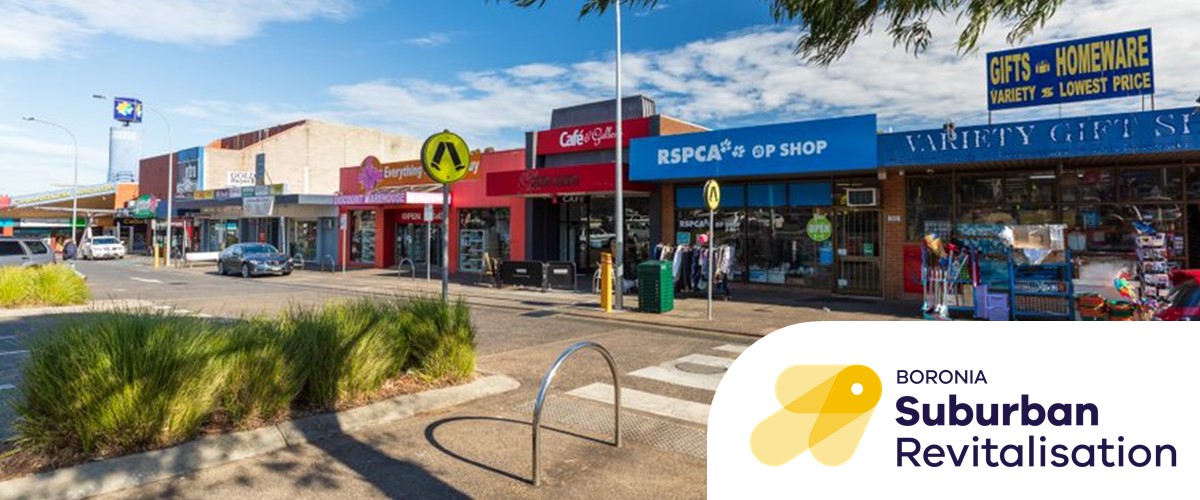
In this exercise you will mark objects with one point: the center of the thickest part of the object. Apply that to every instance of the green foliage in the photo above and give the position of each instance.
(41, 286)
(442, 338)
(829, 27)
(114, 383)
(118, 381)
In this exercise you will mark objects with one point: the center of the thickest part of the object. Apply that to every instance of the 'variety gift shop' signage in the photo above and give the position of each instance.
(833, 145)
(1127, 133)
(1100, 67)
(590, 137)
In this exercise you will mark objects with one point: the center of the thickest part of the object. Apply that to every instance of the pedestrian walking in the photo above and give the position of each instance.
(69, 249)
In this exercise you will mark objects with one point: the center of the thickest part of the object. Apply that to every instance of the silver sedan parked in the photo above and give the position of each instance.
(253, 259)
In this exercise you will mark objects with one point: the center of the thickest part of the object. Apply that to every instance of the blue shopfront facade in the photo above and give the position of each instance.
(777, 181)
(1094, 174)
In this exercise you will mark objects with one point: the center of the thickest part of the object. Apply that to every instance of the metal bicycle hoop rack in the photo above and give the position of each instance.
(298, 260)
(332, 264)
(541, 400)
(412, 267)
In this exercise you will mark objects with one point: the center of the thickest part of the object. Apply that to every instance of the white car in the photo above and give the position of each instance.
(102, 247)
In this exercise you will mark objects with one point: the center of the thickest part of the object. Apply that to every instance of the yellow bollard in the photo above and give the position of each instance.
(606, 282)
(156, 256)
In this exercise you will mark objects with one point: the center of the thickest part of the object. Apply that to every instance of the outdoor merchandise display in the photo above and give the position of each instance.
(998, 273)
(1148, 286)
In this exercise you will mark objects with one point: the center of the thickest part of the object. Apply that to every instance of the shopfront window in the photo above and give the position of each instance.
(302, 239)
(1093, 185)
(482, 231)
(1098, 205)
(1150, 184)
(362, 236)
(1193, 180)
(930, 203)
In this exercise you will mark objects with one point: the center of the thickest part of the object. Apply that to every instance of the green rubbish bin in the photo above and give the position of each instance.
(656, 286)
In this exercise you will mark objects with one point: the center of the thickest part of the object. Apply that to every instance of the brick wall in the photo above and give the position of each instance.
(893, 235)
(152, 176)
(667, 222)
(674, 126)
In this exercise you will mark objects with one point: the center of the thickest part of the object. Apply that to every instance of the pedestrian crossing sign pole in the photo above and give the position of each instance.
(712, 198)
(445, 158)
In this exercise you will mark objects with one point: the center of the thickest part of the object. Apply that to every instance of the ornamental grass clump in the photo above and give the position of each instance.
(55, 285)
(118, 383)
(108, 384)
(442, 338)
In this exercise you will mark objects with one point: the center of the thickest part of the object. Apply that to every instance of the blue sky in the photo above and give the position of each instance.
(488, 70)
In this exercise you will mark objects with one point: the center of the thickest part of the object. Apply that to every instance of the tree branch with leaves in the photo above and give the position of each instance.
(830, 27)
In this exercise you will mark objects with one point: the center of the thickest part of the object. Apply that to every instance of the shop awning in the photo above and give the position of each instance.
(100, 199)
(560, 181)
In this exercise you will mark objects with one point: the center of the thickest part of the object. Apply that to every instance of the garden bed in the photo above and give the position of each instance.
(111, 384)
(56, 285)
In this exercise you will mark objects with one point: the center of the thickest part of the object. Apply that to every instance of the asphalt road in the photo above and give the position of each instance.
(479, 449)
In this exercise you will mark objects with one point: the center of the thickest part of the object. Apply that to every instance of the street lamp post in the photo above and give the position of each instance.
(619, 252)
(74, 181)
(170, 173)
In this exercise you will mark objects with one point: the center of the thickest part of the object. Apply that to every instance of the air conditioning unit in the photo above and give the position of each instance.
(862, 197)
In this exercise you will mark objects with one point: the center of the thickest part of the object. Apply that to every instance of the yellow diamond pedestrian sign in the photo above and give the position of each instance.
(445, 157)
(712, 194)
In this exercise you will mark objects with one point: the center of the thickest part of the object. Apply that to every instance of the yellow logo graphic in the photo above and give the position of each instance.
(825, 408)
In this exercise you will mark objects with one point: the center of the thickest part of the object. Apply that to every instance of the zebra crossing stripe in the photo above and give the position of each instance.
(738, 348)
(706, 360)
(644, 401)
(673, 375)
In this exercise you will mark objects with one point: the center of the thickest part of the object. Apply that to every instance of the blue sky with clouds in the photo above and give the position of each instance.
(489, 70)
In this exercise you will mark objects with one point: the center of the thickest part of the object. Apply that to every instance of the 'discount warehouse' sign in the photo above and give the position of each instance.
(1100, 67)
(839, 144)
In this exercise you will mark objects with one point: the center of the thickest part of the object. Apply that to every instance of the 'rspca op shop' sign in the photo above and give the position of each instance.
(834, 145)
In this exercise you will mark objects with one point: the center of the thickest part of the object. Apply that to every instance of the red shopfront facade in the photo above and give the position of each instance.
(390, 224)
(569, 185)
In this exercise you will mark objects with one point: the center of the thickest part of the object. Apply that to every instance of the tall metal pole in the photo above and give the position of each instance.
(170, 178)
(74, 182)
(619, 252)
(445, 242)
(711, 272)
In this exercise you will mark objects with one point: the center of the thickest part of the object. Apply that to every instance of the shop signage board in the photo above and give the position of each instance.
(591, 137)
(7, 223)
(391, 198)
(5, 201)
(240, 179)
(1117, 134)
(258, 206)
(62, 194)
(575, 179)
(1100, 67)
(833, 145)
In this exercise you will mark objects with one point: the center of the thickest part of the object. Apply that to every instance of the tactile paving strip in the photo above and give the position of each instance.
(596, 420)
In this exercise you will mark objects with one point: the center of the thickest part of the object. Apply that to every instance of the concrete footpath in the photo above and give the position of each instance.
(754, 311)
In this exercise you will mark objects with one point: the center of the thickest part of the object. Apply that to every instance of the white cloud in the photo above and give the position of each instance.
(430, 40)
(51, 28)
(753, 77)
(29, 163)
